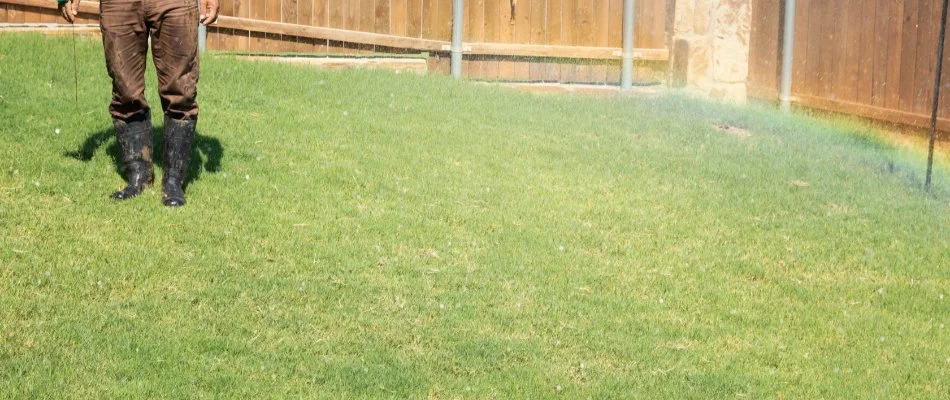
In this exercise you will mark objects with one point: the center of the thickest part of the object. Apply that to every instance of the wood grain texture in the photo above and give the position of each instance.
(944, 106)
(367, 16)
(866, 66)
(506, 25)
(429, 14)
(615, 23)
(443, 26)
(908, 56)
(924, 79)
(879, 59)
(398, 15)
(351, 16)
(382, 23)
(801, 68)
(414, 18)
(895, 51)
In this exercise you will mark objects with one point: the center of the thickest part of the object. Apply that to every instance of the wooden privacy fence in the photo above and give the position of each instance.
(543, 40)
(874, 58)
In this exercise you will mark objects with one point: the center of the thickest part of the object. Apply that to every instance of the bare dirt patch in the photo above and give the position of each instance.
(732, 130)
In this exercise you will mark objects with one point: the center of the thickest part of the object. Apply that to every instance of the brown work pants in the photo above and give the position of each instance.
(173, 26)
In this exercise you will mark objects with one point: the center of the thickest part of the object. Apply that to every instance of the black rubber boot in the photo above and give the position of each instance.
(135, 144)
(178, 137)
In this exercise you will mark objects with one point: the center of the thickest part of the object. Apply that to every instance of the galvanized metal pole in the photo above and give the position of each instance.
(626, 73)
(202, 37)
(457, 8)
(936, 99)
(788, 44)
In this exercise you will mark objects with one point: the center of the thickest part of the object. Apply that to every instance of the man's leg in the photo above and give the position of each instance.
(175, 51)
(125, 39)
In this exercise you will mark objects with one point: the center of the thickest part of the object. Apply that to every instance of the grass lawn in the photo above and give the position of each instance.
(374, 235)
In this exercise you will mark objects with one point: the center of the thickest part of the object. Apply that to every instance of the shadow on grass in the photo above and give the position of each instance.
(206, 152)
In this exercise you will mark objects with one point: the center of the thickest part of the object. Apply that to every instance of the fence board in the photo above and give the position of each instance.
(831, 28)
(305, 12)
(865, 78)
(537, 35)
(288, 14)
(351, 15)
(336, 14)
(321, 13)
(240, 9)
(257, 9)
(398, 23)
(383, 22)
(27, 14)
(506, 69)
(944, 110)
(879, 60)
(909, 56)
(492, 34)
(537, 22)
(615, 23)
(226, 7)
(568, 31)
(272, 10)
(521, 33)
(583, 14)
(600, 22)
(414, 18)
(367, 16)
(444, 21)
(850, 67)
(929, 17)
(763, 46)
(304, 17)
(475, 24)
(895, 54)
(554, 18)
(429, 15)
(15, 14)
(802, 25)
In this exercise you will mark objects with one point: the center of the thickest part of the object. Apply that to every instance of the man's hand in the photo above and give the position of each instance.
(69, 10)
(209, 11)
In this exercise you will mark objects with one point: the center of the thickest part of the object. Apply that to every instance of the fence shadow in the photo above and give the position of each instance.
(206, 152)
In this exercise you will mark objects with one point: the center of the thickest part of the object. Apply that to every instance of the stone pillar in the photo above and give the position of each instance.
(711, 47)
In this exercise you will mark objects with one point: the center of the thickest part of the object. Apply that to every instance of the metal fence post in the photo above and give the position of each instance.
(788, 44)
(202, 37)
(626, 73)
(457, 8)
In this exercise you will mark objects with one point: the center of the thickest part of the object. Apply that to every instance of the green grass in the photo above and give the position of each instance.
(374, 235)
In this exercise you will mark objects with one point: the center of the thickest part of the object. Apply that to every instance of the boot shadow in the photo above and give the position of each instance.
(206, 152)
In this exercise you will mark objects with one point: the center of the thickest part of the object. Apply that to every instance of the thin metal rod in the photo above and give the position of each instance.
(75, 66)
(626, 73)
(457, 8)
(936, 99)
(788, 45)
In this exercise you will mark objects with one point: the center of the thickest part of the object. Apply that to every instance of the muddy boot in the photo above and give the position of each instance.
(135, 145)
(178, 137)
